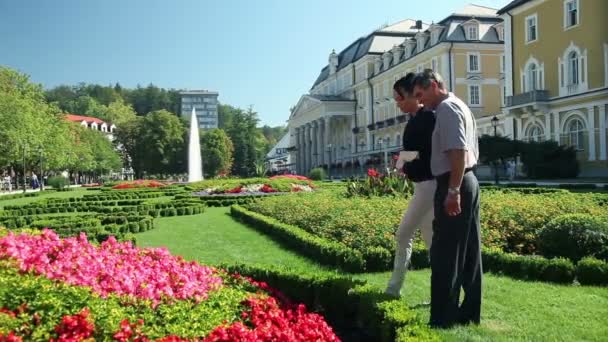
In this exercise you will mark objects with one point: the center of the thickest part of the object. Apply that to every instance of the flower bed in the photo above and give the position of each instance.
(69, 290)
(141, 183)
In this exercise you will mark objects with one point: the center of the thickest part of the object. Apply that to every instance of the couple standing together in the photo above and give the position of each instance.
(445, 204)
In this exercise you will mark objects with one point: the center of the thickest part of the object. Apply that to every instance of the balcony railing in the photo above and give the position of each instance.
(356, 130)
(529, 97)
(371, 127)
(402, 118)
(380, 124)
(390, 122)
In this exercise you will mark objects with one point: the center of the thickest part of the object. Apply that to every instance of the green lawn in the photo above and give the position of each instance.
(512, 310)
(76, 192)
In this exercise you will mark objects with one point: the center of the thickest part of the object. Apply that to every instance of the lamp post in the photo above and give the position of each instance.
(495, 125)
(361, 146)
(24, 176)
(41, 178)
(382, 143)
(328, 161)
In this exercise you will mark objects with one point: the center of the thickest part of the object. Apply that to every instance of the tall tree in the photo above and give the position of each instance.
(217, 150)
(162, 134)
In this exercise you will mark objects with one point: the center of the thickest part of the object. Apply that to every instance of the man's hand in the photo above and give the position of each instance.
(452, 204)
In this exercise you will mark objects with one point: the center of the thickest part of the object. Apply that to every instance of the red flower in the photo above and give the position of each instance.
(11, 337)
(236, 190)
(267, 189)
(74, 328)
(372, 173)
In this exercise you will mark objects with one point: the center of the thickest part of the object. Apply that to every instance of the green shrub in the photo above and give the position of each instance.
(58, 182)
(317, 174)
(590, 271)
(574, 236)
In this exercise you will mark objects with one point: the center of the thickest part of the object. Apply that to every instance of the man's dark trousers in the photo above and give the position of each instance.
(456, 256)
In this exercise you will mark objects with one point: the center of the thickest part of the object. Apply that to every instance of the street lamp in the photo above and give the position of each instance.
(361, 146)
(384, 142)
(41, 179)
(328, 149)
(495, 125)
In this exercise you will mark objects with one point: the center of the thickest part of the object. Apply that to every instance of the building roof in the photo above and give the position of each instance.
(374, 43)
(198, 92)
(87, 119)
(452, 30)
(331, 98)
(283, 143)
(512, 5)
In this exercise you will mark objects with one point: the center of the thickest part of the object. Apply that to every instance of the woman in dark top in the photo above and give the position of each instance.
(419, 214)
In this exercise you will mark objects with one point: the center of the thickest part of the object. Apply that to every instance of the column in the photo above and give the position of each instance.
(326, 131)
(315, 144)
(300, 150)
(308, 149)
(547, 126)
(557, 128)
(353, 136)
(591, 130)
(519, 129)
(602, 112)
(320, 145)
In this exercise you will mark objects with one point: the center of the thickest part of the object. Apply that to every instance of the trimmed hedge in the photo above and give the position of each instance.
(323, 251)
(575, 236)
(345, 302)
(558, 270)
(22, 195)
(578, 186)
(591, 271)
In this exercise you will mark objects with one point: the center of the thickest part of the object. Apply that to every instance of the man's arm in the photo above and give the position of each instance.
(457, 162)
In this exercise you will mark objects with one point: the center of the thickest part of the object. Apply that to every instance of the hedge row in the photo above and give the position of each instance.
(321, 250)
(557, 270)
(21, 195)
(351, 306)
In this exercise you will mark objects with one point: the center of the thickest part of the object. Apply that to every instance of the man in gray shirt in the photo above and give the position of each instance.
(456, 246)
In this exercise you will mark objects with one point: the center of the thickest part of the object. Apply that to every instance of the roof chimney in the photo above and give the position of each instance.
(419, 24)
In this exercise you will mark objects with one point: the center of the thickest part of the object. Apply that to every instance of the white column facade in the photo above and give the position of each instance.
(602, 125)
(557, 128)
(548, 126)
(591, 130)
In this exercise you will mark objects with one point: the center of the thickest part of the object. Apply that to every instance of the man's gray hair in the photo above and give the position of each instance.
(425, 78)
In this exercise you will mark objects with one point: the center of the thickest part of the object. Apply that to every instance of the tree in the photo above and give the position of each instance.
(162, 136)
(27, 121)
(128, 142)
(217, 150)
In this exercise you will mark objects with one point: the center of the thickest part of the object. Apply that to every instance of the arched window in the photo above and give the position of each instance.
(573, 70)
(535, 133)
(576, 133)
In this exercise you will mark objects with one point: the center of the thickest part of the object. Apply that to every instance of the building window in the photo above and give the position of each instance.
(503, 96)
(420, 42)
(472, 33)
(531, 28)
(474, 95)
(502, 63)
(434, 37)
(473, 62)
(570, 13)
(420, 68)
(573, 71)
(532, 76)
(535, 133)
(576, 134)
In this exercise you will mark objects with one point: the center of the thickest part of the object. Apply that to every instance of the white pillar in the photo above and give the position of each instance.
(326, 140)
(603, 127)
(591, 130)
(315, 144)
(547, 126)
(557, 127)
(319, 139)
(519, 129)
(301, 150)
(308, 150)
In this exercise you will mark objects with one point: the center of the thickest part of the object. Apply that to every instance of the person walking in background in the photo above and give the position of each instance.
(456, 247)
(419, 213)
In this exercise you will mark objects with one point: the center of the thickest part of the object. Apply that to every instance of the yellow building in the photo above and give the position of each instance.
(349, 119)
(556, 61)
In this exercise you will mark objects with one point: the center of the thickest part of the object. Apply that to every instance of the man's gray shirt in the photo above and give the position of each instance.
(455, 129)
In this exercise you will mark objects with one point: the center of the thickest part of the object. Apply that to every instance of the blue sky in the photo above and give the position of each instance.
(265, 53)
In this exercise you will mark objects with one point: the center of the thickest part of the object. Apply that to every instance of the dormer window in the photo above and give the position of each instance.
(500, 30)
(420, 43)
(472, 32)
(434, 37)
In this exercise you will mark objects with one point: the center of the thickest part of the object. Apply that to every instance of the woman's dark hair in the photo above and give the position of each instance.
(405, 85)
